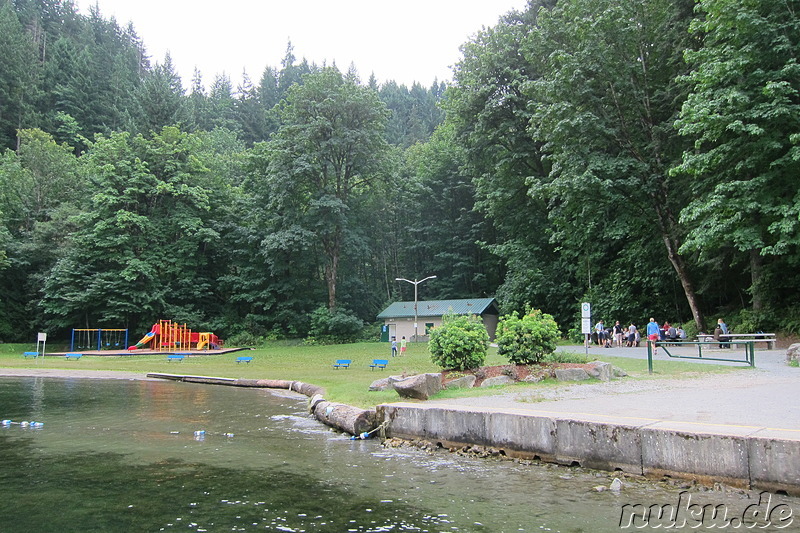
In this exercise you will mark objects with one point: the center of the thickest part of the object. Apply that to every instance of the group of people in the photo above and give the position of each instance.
(619, 335)
(721, 333)
(403, 344)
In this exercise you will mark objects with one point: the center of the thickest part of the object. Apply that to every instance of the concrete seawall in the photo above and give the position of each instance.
(742, 456)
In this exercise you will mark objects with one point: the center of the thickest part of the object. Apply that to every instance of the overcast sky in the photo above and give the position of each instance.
(412, 40)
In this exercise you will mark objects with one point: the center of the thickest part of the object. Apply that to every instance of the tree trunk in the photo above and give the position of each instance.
(756, 279)
(666, 223)
(332, 247)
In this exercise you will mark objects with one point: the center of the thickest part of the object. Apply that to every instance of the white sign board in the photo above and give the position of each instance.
(586, 310)
(586, 325)
(42, 337)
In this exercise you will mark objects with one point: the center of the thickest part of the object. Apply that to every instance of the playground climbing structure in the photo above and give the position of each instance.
(168, 336)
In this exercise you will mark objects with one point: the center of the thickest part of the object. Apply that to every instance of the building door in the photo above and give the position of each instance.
(388, 331)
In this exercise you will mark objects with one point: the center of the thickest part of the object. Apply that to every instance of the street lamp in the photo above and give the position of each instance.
(415, 283)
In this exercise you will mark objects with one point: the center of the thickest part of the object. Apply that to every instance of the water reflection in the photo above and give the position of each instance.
(123, 456)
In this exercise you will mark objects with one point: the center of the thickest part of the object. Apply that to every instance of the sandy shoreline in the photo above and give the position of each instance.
(65, 373)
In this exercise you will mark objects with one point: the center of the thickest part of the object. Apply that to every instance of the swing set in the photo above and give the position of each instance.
(99, 339)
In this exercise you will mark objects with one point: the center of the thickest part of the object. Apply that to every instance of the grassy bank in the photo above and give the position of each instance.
(313, 364)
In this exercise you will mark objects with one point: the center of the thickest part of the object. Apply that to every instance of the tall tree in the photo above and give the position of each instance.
(491, 114)
(744, 117)
(138, 252)
(160, 99)
(41, 187)
(328, 151)
(444, 231)
(605, 108)
(18, 77)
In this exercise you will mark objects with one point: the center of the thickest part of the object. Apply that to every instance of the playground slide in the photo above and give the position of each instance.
(202, 344)
(147, 338)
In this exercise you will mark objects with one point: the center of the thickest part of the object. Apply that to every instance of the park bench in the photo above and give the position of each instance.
(244, 360)
(30, 354)
(75, 356)
(379, 363)
(176, 357)
(342, 363)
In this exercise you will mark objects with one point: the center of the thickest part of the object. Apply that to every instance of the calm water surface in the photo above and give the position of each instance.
(123, 456)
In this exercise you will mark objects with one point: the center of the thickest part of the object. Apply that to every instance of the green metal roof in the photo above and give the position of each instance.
(470, 306)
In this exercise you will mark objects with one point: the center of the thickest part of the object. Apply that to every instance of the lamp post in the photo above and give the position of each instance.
(415, 283)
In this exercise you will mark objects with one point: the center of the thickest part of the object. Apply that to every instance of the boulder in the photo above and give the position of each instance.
(618, 372)
(384, 383)
(464, 382)
(497, 380)
(533, 378)
(420, 387)
(793, 353)
(600, 370)
(571, 374)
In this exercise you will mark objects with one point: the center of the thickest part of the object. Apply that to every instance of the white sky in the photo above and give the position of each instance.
(412, 40)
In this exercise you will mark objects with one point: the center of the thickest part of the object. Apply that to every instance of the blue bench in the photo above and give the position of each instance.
(73, 356)
(379, 363)
(30, 354)
(243, 360)
(342, 363)
(175, 357)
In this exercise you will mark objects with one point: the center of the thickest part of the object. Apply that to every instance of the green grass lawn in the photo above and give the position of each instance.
(313, 364)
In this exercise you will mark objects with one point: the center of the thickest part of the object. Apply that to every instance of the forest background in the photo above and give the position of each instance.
(642, 156)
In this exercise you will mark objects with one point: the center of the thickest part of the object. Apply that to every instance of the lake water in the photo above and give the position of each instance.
(117, 455)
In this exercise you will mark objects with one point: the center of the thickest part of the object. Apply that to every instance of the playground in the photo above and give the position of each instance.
(165, 337)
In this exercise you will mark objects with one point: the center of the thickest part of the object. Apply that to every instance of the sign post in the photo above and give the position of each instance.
(41, 338)
(586, 323)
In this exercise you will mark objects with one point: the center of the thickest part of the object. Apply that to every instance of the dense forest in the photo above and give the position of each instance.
(642, 156)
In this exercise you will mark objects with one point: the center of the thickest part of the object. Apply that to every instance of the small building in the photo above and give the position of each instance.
(398, 318)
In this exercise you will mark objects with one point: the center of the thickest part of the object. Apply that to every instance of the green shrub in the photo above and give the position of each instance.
(333, 327)
(690, 328)
(527, 339)
(245, 338)
(459, 343)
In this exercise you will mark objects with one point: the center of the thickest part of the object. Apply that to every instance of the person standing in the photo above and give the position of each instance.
(600, 330)
(721, 333)
(403, 343)
(653, 334)
(632, 335)
(618, 334)
(394, 346)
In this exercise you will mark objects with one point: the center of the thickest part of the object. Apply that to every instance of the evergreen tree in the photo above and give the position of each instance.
(18, 77)
(160, 99)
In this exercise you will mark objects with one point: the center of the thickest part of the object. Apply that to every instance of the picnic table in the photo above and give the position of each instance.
(733, 338)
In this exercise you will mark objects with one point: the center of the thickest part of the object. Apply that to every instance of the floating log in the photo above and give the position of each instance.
(344, 417)
(347, 418)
